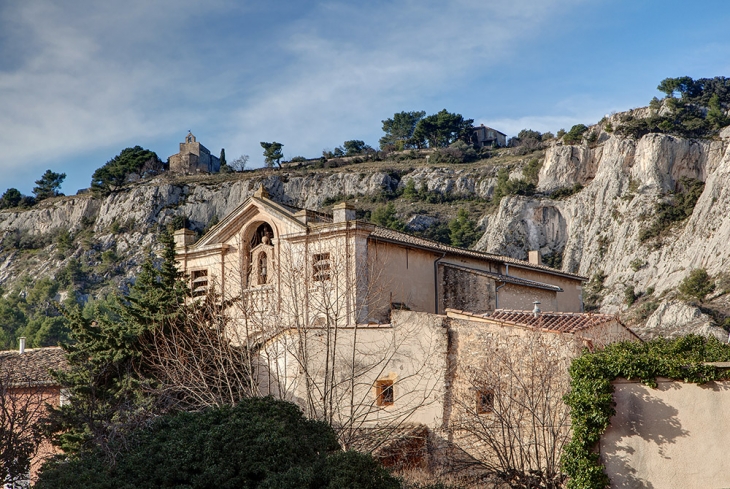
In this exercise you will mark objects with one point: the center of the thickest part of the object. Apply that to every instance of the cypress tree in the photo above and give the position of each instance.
(107, 372)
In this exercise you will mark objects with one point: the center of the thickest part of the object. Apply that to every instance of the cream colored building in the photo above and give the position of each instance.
(374, 330)
(273, 261)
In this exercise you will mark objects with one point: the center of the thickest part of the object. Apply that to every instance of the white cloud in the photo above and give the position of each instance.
(91, 75)
(395, 58)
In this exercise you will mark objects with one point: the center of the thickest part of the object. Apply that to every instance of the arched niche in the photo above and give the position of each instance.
(257, 254)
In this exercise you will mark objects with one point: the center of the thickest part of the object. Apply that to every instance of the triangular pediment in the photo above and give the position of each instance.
(253, 209)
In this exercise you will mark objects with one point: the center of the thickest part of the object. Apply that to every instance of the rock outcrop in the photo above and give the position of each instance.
(593, 231)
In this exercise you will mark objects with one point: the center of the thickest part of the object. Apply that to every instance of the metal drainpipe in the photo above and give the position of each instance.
(496, 291)
(436, 282)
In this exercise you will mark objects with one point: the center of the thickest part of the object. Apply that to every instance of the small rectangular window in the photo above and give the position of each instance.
(384, 393)
(199, 282)
(321, 267)
(485, 401)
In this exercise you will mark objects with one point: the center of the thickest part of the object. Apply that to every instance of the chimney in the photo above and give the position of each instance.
(343, 212)
(21, 340)
(183, 238)
(536, 309)
(534, 257)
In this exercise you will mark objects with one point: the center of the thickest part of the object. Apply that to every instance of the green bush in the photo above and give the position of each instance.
(677, 207)
(506, 186)
(637, 264)
(259, 443)
(575, 135)
(565, 192)
(385, 216)
(696, 285)
(463, 231)
(629, 295)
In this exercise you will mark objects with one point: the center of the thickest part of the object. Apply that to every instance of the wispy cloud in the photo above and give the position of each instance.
(402, 56)
(76, 78)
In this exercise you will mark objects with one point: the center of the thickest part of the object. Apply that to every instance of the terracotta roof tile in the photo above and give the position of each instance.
(506, 278)
(562, 322)
(33, 366)
(397, 236)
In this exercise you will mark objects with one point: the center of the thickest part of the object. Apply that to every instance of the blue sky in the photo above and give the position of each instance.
(82, 80)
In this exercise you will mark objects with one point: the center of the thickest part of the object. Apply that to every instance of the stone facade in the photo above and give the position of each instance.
(356, 322)
(194, 158)
(486, 136)
(277, 256)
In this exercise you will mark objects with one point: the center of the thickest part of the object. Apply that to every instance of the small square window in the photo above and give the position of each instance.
(384, 393)
(485, 401)
(321, 265)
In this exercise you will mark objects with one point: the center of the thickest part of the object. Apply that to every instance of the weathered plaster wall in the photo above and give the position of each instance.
(411, 352)
(461, 289)
(672, 436)
(404, 274)
(570, 300)
(521, 298)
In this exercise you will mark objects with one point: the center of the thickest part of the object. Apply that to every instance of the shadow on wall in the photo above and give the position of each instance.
(649, 418)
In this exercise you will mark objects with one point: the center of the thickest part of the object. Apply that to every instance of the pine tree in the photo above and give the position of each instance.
(107, 371)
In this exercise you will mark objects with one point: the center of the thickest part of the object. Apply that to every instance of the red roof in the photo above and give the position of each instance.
(563, 322)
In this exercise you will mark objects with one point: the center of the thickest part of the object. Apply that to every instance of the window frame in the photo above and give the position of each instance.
(321, 267)
(382, 387)
(196, 275)
(485, 401)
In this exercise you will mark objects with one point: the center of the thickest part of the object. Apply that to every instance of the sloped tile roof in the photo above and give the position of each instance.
(506, 278)
(33, 366)
(387, 234)
(562, 322)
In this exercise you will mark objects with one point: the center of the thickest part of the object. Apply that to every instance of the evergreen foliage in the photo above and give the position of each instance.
(32, 311)
(385, 216)
(697, 285)
(114, 173)
(462, 230)
(107, 370)
(676, 207)
(575, 135)
(11, 198)
(591, 400)
(441, 129)
(259, 443)
(699, 112)
(506, 186)
(399, 130)
(272, 153)
(48, 185)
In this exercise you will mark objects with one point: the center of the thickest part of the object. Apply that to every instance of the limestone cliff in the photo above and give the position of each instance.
(595, 231)
(598, 229)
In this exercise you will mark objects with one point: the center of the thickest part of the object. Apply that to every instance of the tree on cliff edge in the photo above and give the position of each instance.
(272, 153)
(48, 185)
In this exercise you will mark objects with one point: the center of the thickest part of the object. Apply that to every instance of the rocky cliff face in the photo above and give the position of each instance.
(595, 231)
(598, 229)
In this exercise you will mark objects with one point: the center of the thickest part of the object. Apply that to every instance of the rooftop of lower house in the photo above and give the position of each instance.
(32, 366)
